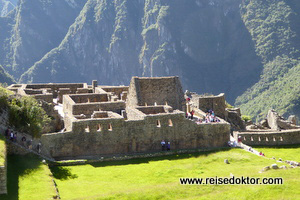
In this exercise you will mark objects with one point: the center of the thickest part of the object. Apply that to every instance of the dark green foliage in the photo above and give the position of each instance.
(273, 26)
(26, 114)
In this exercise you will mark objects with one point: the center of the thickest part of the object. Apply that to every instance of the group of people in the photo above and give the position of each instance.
(10, 135)
(165, 146)
(210, 117)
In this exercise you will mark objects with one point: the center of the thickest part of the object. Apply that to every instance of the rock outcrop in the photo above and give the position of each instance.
(277, 122)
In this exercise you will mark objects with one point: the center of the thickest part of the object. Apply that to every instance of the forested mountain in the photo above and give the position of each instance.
(248, 49)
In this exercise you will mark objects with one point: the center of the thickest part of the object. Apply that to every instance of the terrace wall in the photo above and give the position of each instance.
(270, 138)
(134, 136)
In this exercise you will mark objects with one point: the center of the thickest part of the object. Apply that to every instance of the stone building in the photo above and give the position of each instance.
(120, 120)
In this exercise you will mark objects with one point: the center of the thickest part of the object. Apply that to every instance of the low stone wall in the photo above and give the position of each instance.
(270, 138)
(89, 108)
(15, 150)
(3, 180)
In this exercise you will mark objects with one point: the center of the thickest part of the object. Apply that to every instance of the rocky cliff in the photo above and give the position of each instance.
(245, 48)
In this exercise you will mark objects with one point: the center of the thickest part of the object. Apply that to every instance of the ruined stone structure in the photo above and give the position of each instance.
(269, 138)
(120, 120)
(215, 103)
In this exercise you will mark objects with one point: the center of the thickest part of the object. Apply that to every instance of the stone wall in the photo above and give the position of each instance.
(89, 108)
(3, 179)
(85, 98)
(215, 103)
(15, 150)
(117, 90)
(118, 136)
(270, 138)
(45, 97)
(160, 91)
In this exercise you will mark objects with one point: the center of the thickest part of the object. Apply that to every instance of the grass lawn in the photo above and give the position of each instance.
(158, 178)
(28, 179)
(2, 150)
(289, 152)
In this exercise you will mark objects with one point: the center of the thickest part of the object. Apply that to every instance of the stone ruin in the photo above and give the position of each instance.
(272, 131)
(121, 120)
(274, 121)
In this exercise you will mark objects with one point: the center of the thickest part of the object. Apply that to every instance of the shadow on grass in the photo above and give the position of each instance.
(62, 173)
(18, 166)
(158, 158)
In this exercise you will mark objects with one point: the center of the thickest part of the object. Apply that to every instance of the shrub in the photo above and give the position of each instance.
(228, 105)
(26, 115)
(246, 118)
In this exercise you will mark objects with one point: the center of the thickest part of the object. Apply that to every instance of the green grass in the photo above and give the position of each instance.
(28, 179)
(289, 152)
(158, 178)
(2, 150)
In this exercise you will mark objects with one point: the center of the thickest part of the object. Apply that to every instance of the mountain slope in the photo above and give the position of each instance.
(39, 27)
(204, 42)
(274, 27)
(248, 49)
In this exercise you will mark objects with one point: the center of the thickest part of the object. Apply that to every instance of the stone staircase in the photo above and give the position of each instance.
(31, 151)
(3, 127)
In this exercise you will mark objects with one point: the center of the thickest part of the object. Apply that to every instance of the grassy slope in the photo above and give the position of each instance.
(159, 178)
(2, 150)
(28, 179)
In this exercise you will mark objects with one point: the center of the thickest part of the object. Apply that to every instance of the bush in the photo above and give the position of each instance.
(246, 118)
(26, 115)
(4, 93)
(228, 105)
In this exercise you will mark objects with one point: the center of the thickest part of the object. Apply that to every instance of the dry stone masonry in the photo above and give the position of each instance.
(125, 120)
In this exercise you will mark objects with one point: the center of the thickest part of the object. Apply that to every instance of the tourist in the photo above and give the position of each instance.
(229, 143)
(211, 119)
(199, 121)
(29, 144)
(163, 145)
(11, 136)
(234, 144)
(15, 137)
(168, 146)
(23, 139)
(189, 115)
(239, 139)
(192, 114)
(38, 147)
